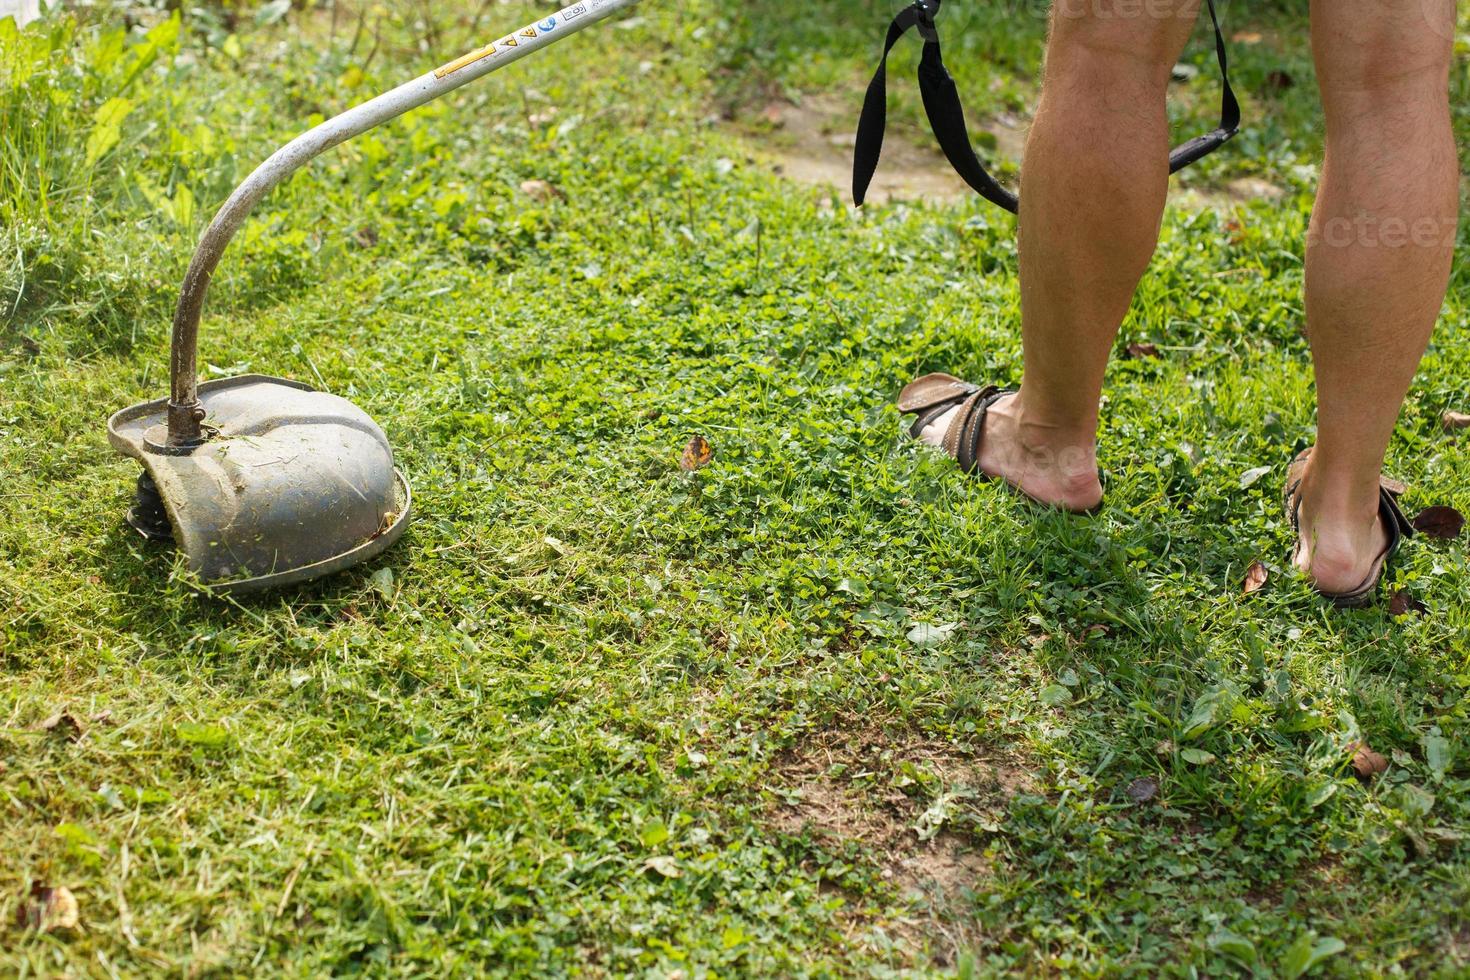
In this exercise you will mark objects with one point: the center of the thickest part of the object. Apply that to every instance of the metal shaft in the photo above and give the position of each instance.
(185, 417)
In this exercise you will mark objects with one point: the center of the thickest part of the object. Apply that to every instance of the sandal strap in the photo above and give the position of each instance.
(927, 418)
(967, 432)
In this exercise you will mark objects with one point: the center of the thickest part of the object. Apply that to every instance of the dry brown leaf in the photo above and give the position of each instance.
(1236, 230)
(366, 236)
(62, 723)
(1444, 523)
(1455, 421)
(540, 190)
(697, 455)
(1247, 37)
(1141, 351)
(48, 909)
(1404, 603)
(1144, 789)
(1256, 578)
(1279, 81)
(1366, 762)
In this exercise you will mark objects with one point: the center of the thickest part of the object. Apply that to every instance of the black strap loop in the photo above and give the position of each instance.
(947, 115)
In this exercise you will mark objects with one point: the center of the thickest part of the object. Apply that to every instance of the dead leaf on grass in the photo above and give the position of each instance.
(697, 455)
(1366, 762)
(1404, 603)
(62, 723)
(1455, 421)
(1143, 351)
(1143, 789)
(665, 865)
(540, 190)
(48, 909)
(1256, 578)
(1443, 523)
(1279, 81)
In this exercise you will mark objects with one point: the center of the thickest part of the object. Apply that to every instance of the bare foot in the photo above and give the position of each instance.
(1339, 545)
(1036, 459)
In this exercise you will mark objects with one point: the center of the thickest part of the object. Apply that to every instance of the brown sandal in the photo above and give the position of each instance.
(1389, 511)
(931, 396)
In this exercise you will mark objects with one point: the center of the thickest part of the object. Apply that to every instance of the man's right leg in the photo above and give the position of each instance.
(1378, 260)
(1096, 175)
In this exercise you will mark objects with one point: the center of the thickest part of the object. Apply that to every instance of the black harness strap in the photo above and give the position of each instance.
(947, 115)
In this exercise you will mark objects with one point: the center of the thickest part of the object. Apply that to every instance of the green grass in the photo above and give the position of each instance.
(598, 715)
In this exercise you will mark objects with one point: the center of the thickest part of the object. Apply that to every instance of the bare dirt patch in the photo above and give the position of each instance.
(1229, 197)
(811, 142)
(913, 806)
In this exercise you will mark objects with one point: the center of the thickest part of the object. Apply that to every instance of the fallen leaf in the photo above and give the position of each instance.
(1256, 578)
(1444, 523)
(1144, 789)
(1454, 421)
(1366, 762)
(1197, 757)
(62, 723)
(48, 909)
(666, 865)
(1140, 351)
(924, 635)
(1404, 603)
(1247, 37)
(1279, 81)
(101, 718)
(540, 190)
(697, 455)
(1166, 747)
(382, 581)
(1251, 477)
(366, 236)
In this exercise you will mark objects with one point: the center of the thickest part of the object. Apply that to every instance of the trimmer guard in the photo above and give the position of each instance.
(264, 482)
(296, 483)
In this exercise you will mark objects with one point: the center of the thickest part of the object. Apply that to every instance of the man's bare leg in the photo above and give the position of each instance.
(1378, 258)
(1096, 178)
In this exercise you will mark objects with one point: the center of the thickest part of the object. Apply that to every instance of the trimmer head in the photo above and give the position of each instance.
(291, 484)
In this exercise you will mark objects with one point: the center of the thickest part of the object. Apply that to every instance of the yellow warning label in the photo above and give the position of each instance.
(529, 32)
(486, 52)
(510, 42)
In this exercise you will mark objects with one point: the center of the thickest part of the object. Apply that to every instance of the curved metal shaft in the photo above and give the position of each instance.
(185, 417)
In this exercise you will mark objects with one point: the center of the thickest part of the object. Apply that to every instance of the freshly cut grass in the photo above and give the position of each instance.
(820, 707)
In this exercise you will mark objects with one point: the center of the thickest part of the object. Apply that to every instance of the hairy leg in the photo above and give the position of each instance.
(1379, 256)
(1096, 176)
